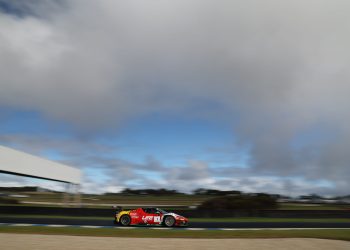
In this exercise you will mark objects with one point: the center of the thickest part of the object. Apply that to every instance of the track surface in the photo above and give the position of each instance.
(192, 225)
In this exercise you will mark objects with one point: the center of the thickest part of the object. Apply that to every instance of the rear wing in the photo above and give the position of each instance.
(117, 209)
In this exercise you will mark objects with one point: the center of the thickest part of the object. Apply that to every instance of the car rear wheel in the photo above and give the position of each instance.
(125, 220)
(169, 221)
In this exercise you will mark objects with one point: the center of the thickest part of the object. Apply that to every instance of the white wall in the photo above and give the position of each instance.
(22, 163)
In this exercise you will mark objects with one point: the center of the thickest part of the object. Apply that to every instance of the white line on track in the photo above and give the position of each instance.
(53, 225)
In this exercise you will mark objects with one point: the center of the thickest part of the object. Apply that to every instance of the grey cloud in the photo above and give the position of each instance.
(280, 69)
(194, 171)
(116, 174)
(36, 8)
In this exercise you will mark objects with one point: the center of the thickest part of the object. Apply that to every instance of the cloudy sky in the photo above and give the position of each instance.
(248, 95)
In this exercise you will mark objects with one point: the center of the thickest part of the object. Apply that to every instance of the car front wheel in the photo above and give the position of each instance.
(169, 221)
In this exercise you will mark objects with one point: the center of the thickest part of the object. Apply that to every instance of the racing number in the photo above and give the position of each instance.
(156, 219)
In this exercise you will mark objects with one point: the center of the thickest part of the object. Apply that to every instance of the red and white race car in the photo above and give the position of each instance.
(149, 216)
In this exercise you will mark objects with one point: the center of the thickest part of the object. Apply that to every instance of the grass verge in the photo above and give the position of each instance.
(336, 234)
(263, 219)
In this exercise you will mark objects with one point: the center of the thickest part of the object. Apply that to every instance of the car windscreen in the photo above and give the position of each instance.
(162, 211)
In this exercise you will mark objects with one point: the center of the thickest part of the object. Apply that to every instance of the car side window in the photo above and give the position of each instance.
(150, 210)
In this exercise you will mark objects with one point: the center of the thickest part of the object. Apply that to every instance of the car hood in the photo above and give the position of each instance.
(175, 215)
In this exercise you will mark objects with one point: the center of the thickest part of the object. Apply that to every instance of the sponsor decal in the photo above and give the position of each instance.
(147, 219)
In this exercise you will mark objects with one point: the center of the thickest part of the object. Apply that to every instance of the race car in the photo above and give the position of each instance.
(148, 216)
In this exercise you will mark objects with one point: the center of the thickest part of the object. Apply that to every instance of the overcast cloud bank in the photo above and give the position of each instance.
(278, 69)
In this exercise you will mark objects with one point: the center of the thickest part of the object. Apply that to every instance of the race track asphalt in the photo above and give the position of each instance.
(75, 222)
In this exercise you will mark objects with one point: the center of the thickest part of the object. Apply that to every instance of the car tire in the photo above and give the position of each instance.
(125, 220)
(169, 221)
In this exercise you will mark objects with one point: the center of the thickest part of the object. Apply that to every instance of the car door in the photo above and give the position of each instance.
(151, 216)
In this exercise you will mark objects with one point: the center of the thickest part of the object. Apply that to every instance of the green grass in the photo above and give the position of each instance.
(299, 206)
(336, 234)
(56, 217)
(263, 219)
